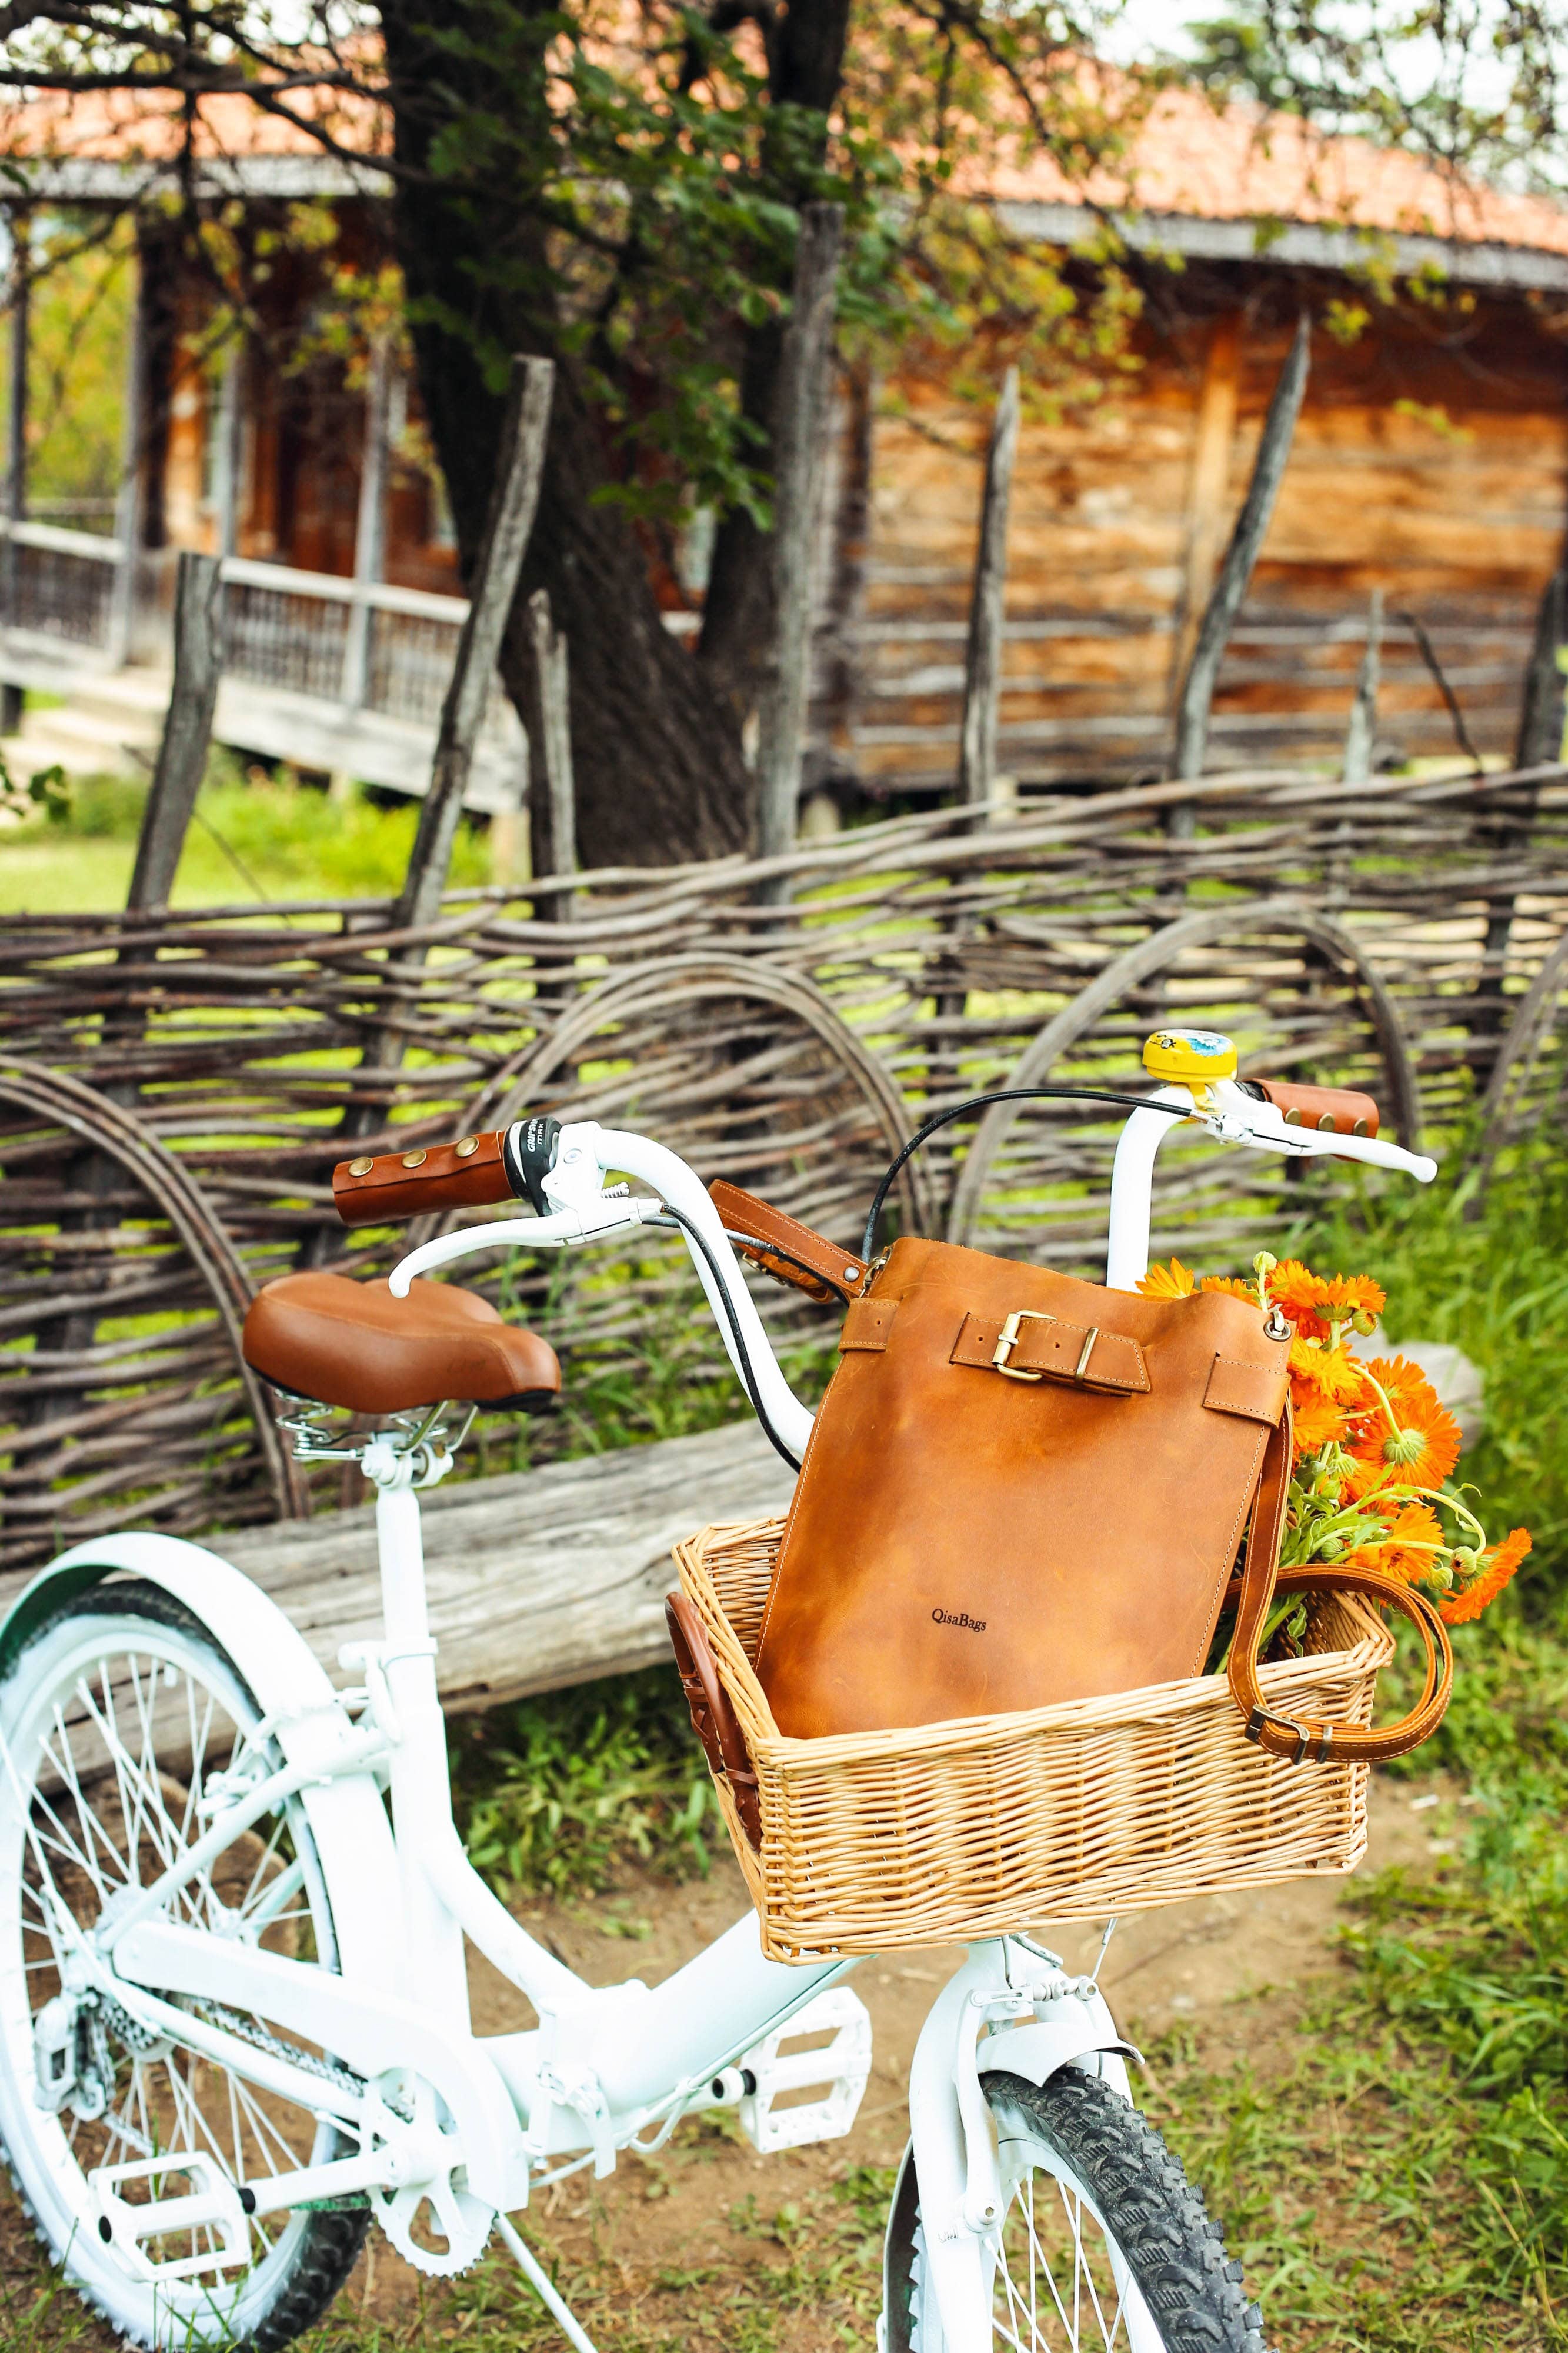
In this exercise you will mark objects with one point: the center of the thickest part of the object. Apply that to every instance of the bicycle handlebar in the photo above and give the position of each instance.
(385, 1188)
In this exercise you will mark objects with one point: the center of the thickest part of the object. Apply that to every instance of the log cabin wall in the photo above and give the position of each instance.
(1431, 461)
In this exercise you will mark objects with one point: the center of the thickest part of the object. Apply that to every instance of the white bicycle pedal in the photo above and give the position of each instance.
(841, 2067)
(211, 2205)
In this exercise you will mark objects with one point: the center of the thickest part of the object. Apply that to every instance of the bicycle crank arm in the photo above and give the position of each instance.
(370, 2031)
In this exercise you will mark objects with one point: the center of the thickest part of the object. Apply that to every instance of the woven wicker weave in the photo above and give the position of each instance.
(957, 1830)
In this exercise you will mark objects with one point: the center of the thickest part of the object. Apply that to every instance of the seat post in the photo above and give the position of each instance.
(420, 1785)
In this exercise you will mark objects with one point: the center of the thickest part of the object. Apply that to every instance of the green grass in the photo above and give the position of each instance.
(1401, 2185)
(557, 1793)
(255, 838)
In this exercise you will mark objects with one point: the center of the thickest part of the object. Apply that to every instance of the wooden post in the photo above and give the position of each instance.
(1356, 765)
(1540, 745)
(510, 858)
(553, 791)
(16, 453)
(1541, 718)
(1236, 571)
(803, 377)
(229, 426)
(127, 506)
(182, 754)
(983, 658)
(370, 525)
(1207, 481)
(512, 507)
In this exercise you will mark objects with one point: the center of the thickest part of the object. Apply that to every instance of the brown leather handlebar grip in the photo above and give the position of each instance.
(392, 1186)
(1341, 1111)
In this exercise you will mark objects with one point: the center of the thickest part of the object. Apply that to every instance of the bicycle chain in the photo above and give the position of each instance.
(251, 2031)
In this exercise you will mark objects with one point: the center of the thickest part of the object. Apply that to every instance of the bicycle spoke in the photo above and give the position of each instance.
(1059, 2289)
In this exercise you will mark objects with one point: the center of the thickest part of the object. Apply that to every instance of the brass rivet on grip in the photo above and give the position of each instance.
(1292, 1117)
(1360, 1128)
(1325, 1125)
(414, 1160)
(470, 1143)
(361, 1167)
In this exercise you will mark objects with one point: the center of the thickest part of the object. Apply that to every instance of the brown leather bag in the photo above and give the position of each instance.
(1023, 1488)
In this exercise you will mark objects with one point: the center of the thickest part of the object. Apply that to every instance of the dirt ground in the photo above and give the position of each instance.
(697, 2205)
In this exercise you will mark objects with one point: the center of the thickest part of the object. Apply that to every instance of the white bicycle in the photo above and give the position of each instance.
(235, 2029)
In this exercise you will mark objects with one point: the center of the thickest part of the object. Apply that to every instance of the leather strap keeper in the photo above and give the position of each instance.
(1340, 1111)
(782, 1246)
(391, 1186)
(867, 1324)
(1258, 1391)
(1032, 1346)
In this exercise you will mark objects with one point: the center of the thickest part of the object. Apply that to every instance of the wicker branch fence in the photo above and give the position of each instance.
(175, 1088)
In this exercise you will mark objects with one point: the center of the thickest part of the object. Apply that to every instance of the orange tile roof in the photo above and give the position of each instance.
(1241, 162)
(1235, 163)
(130, 126)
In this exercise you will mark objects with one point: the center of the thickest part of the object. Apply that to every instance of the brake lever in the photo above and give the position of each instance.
(1262, 1127)
(587, 1222)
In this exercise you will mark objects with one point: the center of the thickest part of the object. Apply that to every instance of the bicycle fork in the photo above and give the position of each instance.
(977, 2026)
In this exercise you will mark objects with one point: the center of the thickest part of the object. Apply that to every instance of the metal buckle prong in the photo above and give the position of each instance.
(1305, 1734)
(1090, 1338)
(1008, 1341)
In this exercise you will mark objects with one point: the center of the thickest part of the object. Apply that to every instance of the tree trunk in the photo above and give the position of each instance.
(660, 775)
(805, 69)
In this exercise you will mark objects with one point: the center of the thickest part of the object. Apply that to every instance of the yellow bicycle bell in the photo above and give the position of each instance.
(1189, 1058)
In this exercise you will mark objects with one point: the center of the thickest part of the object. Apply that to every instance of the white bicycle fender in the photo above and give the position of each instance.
(1078, 2026)
(347, 1819)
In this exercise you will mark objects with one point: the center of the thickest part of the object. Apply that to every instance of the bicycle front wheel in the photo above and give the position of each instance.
(1103, 2243)
(115, 1718)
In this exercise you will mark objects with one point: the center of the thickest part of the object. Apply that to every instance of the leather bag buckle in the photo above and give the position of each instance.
(1305, 1735)
(1008, 1340)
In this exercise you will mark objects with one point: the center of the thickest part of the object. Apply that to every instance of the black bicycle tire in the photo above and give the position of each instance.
(1175, 2251)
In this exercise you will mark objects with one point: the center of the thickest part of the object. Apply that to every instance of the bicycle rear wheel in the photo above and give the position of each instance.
(1103, 2244)
(116, 1716)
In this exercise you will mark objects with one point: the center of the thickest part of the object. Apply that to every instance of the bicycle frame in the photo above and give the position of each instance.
(604, 2065)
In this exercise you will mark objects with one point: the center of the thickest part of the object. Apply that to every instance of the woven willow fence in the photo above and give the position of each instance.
(174, 1092)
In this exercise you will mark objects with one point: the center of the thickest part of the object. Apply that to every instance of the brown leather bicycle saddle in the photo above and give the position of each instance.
(353, 1345)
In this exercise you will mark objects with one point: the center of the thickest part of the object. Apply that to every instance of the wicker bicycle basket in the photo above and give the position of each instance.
(957, 1830)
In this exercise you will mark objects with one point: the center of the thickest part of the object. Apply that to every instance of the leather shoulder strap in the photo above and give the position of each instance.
(1253, 1594)
(785, 1249)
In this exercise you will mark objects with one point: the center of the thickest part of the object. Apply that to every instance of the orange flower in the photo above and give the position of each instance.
(1315, 1303)
(1409, 1547)
(1316, 1423)
(1172, 1282)
(1423, 1448)
(1344, 1295)
(1499, 1564)
(1317, 1369)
